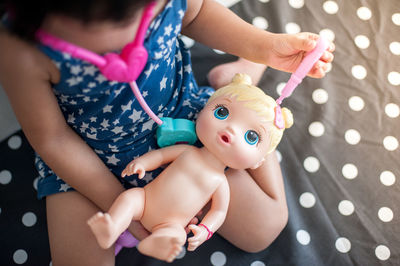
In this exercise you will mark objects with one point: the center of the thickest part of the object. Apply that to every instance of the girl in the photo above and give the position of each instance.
(85, 129)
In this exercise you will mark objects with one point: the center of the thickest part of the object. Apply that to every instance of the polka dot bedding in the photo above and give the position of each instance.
(340, 160)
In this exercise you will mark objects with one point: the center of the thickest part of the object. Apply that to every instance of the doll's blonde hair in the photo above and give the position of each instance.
(257, 100)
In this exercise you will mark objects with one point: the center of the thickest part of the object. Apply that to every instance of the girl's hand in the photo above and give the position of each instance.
(288, 50)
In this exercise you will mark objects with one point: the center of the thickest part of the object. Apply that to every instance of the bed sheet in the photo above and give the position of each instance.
(340, 159)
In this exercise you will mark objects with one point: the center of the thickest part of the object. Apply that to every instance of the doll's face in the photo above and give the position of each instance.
(233, 133)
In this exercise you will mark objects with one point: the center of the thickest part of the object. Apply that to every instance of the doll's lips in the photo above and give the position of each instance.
(224, 138)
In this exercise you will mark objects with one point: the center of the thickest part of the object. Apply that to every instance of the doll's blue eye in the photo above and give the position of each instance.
(221, 113)
(251, 137)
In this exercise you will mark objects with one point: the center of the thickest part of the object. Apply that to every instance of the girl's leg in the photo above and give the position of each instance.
(71, 240)
(257, 211)
(222, 75)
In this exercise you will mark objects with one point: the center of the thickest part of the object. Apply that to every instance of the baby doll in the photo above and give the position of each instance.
(237, 130)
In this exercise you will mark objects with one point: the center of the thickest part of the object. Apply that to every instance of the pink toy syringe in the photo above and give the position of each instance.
(305, 66)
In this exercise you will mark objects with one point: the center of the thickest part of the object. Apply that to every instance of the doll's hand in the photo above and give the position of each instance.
(288, 50)
(134, 167)
(200, 235)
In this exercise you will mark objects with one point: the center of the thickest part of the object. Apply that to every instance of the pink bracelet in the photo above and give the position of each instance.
(210, 233)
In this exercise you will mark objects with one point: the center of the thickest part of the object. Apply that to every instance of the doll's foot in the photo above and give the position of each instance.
(104, 229)
(222, 75)
(162, 247)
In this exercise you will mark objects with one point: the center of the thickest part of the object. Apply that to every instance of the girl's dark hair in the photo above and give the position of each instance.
(26, 16)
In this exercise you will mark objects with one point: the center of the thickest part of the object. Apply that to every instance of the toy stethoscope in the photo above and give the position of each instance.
(126, 67)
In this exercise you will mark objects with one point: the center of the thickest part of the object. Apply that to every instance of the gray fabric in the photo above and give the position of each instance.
(337, 216)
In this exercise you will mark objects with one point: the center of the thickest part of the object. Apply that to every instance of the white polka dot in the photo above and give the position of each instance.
(382, 252)
(343, 245)
(385, 214)
(35, 183)
(182, 253)
(292, 28)
(356, 103)
(359, 72)
(316, 129)
(362, 41)
(278, 155)
(307, 200)
(280, 87)
(387, 178)
(260, 23)
(20, 256)
(346, 207)
(311, 164)
(352, 136)
(395, 48)
(188, 42)
(303, 237)
(296, 3)
(14, 142)
(257, 263)
(218, 258)
(320, 96)
(364, 13)
(330, 7)
(5, 177)
(349, 171)
(394, 78)
(327, 34)
(218, 51)
(392, 110)
(390, 143)
(29, 219)
(396, 19)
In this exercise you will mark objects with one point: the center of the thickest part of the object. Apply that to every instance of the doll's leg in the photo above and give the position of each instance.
(221, 75)
(128, 206)
(71, 241)
(257, 210)
(164, 243)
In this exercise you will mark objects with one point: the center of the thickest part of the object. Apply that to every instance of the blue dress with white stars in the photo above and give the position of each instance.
(107, 115)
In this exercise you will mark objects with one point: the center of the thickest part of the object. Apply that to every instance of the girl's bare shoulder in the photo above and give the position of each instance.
(19, 57)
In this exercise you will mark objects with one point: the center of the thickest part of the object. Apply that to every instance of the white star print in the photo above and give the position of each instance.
(112, 159)
(100, 78)
(73, 81)
(75, 70)
(135, 116)
(117, 130)
(89, 70)
(188, 68)
(107, 109)
(163, 83)
(126, 107)
(93, 119)
(105, 123)
(71, 118)
(91, 136)
(148, 177)
(148, 125)
(64, 187)
(168, 30)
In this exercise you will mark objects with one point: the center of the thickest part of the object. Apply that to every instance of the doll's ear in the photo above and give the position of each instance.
(258, 164)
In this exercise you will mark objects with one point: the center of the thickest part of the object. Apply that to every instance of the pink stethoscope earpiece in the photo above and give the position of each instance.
(297, 77)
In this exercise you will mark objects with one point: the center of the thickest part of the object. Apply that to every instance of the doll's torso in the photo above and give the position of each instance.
(182, 189)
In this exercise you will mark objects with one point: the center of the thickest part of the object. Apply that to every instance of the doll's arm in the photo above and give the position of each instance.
(154, 159)
(213, 219)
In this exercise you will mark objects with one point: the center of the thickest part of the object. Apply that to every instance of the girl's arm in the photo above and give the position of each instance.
(216, 26)
(26, 75)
